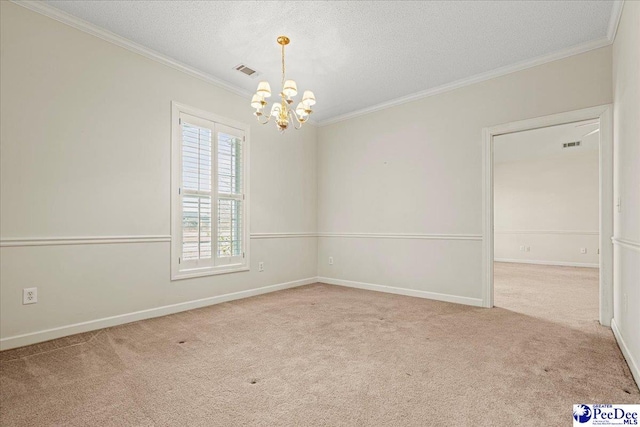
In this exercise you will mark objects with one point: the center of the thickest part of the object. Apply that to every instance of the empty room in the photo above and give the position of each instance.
(319, 213)
(546, 222)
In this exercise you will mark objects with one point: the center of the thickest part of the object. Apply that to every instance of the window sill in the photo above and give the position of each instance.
(210, 271)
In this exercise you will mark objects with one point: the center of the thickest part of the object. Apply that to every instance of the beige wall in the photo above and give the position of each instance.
(417, 169)
(626, 121)
(86, 152)
(549, 205)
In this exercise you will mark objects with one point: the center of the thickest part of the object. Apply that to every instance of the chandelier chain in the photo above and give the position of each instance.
(283, 65)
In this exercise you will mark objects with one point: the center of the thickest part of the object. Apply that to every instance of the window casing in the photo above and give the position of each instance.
(209, 223)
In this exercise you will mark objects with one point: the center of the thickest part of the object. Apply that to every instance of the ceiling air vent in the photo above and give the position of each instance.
(571, 144)
(246, 70)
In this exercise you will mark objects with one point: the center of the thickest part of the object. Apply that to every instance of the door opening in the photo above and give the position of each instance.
(545, 221)
(546, 216)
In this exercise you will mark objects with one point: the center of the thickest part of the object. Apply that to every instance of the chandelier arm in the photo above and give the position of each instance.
(293, 115)
(268, 119)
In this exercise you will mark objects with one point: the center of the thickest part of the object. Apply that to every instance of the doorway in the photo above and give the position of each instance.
(551, 248)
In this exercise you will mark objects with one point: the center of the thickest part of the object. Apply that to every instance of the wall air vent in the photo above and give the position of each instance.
(246, 70)
(571, 144)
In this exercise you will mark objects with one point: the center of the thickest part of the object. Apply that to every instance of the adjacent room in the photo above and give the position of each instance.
(319, 213)
(546, 222)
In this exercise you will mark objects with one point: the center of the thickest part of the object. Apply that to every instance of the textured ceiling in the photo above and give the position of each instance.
(353, 55)
(546, 142)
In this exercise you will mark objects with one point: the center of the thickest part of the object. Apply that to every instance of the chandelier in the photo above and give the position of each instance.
(281, 111)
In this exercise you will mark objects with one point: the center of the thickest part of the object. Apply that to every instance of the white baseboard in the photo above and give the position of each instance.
(560, 263)
(633, 365)
(106, 322)
(477, 302)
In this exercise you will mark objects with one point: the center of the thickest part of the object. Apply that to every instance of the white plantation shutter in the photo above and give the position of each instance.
(230, 194)
(196, 191)
(209, 229)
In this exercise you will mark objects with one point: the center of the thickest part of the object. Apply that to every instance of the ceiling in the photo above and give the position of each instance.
(546, 142)
(353, 54)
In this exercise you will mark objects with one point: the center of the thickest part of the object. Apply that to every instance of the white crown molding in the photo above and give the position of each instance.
(82, 25)
(614, 20)
(106, 322)
(477, 302)
(87, 27)
(574, 50)
(403, 236)
(106, 35)
(542, 262)
(626, 243)
(89, 240)
(569, 232)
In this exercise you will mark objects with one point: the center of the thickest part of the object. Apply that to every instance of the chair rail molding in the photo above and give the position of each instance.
(567, 232)
(423, 236)
(11, 242)
(283, 235)
(84, 240)
(626, 243)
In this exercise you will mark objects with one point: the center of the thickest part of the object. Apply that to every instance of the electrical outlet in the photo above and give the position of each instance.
(521, 248)
(528, 249)
(330, 260)
(261, 266)
(583, 250)
(29, 295)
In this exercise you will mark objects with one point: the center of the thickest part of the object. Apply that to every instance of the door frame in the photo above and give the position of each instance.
(604, 113)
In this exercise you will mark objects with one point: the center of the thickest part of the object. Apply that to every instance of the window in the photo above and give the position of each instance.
(209, 227)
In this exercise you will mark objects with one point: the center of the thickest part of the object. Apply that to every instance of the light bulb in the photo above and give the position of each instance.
(301, 111)
(275, 110)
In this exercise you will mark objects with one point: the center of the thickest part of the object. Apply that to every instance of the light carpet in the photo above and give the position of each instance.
(323, 355)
